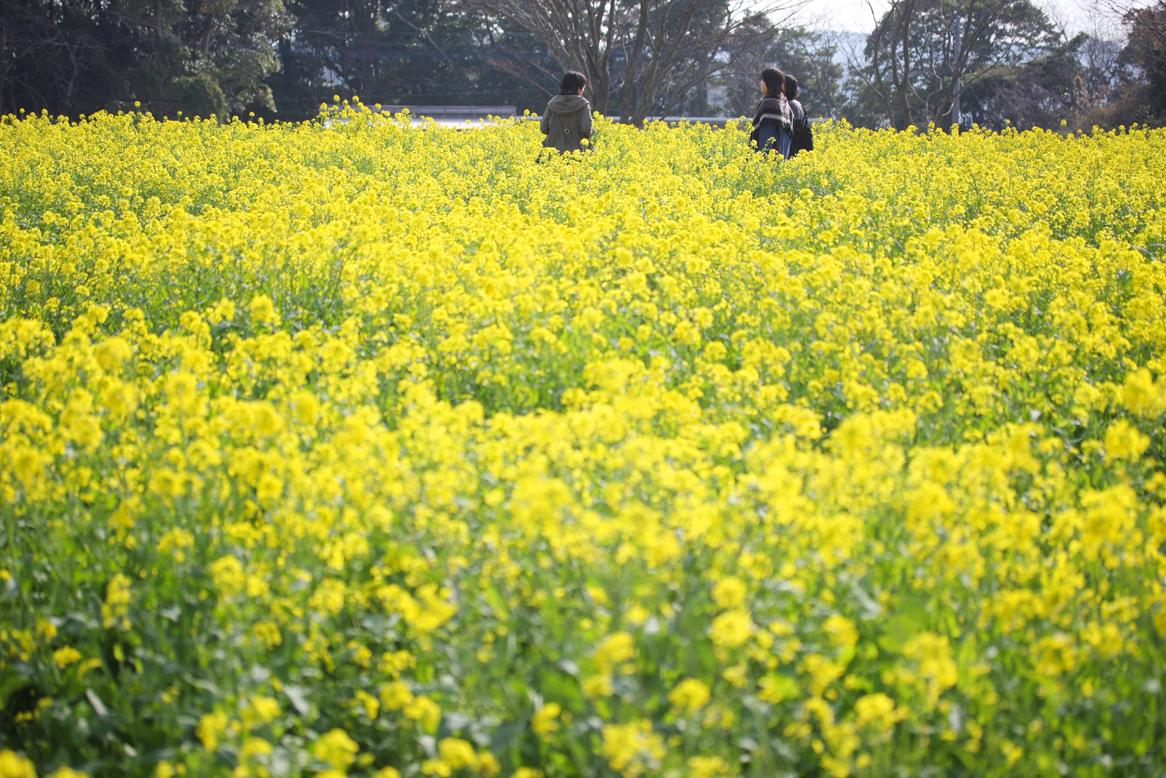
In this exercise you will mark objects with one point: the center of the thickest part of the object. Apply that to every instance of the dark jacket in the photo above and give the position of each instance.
(801, 137)
(565, 122)
(797, 112)
(772, 125)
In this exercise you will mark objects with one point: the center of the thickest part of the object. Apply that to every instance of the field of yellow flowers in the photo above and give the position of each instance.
(346, 447)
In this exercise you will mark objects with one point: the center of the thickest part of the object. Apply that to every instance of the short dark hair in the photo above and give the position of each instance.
(774, 82)
(572, 82)
(791, 87)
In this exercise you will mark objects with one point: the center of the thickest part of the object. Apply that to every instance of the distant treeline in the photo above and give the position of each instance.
(990, 62)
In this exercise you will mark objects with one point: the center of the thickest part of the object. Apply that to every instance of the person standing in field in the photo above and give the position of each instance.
(566, 122)
(772, 121)
(801, 137)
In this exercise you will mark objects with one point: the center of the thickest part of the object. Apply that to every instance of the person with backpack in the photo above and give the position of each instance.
(772, 120)
(802, 137)
(566, 122)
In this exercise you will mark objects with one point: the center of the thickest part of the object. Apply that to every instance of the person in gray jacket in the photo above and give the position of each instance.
(567, 118)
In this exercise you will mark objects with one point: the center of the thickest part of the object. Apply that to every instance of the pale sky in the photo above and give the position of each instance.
(855, 15)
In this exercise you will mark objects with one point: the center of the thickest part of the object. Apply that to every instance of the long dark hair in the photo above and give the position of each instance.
(774, 82)
(572, 82)
(791, 87)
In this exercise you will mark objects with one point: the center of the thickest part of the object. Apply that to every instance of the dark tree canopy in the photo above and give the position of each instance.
(808, 55)
(991, 62)
(642, 57)
(76, 56)
(409, 51)
(1144, 59)
(923, 54)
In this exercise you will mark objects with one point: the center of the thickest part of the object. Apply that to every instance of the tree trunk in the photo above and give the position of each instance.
(956, 116)
(905, 84)
(632, 71)
(600, 90)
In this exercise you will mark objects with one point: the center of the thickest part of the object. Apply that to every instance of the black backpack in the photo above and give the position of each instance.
(802, 137)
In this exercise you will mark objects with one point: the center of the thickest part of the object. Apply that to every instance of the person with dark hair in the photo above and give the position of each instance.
(772, 121)
(566, 122)
(791, 95)
(801, 137)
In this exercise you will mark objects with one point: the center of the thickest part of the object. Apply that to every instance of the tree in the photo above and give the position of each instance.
(207, 56)
(1144, 58)
(398, 52)
(364, 47)
(1101, 71)
(1037, 93)
(678, 46)
(644, 54)
(808, 55)
(923, 54)
(579, 35)
(53, 55)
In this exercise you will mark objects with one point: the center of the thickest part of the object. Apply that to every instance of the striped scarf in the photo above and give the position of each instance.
(774, 109)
